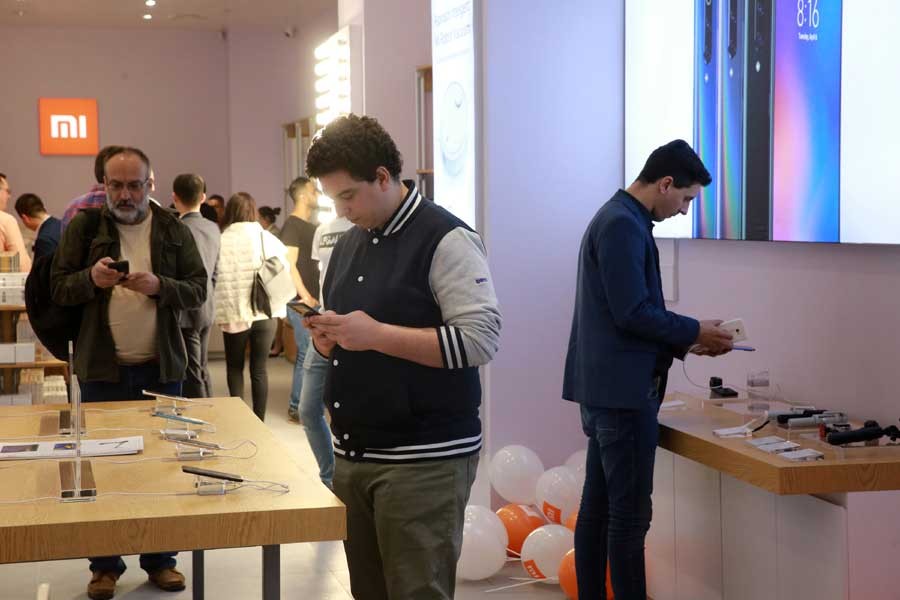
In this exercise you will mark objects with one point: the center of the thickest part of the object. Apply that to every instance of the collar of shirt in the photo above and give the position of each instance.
(637, 208)
(406, 209)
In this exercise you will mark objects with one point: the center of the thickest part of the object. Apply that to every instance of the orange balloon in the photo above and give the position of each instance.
(570, 522)
(519, 521)
(567, 580)
(569, 583)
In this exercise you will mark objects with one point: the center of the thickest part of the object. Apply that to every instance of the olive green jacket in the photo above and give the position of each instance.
(182, 285)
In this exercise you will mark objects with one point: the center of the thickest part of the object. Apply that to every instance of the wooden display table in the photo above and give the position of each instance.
(130, 524)
(689, 433)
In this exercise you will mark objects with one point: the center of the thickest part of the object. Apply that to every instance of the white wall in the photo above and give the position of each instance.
(270, 82)
(553, 122)
(163, 91)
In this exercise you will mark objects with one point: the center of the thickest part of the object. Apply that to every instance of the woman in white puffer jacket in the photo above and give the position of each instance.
(241, 255)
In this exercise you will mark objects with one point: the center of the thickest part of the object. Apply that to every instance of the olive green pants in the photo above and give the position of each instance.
(404, 526)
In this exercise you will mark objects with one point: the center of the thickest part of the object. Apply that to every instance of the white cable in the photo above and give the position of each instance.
(146, 494)
(269, 484)
(694, 383)
(29, 500)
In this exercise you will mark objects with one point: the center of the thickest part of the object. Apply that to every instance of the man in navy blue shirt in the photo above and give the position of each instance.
(34, 216)
(622, 343)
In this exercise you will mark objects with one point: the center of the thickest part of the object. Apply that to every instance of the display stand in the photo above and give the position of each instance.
(76, 478)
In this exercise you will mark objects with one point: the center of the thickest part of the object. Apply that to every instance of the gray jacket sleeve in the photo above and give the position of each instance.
(461, 283)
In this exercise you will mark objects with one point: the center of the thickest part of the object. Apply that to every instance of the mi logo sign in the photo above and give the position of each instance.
(65, 127)
(68, 126)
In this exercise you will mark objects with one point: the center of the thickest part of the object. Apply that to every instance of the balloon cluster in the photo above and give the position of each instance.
(536, 527)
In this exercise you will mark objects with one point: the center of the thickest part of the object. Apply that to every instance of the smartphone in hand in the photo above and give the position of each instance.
(305, 310)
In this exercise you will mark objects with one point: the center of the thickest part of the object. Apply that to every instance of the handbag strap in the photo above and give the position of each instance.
(262, 244)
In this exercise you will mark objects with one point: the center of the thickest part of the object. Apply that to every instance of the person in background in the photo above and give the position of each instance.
(10, 235)
(622, 342)
(209, 213)
(267, 218)
(243, 244)
(33, 215)
(217, 202)
(297, 234)
(188, 196)
(96, 196)
(315, 366)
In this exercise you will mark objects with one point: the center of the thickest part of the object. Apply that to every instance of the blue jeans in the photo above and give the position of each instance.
(312, 412)
(301, 337)
(132, 379)
(615, 507)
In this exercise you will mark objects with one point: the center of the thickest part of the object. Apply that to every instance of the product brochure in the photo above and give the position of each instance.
(66, 449)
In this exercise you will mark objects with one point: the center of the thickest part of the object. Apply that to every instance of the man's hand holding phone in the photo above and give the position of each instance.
(712, 339)
(324, 344)
(104, 274)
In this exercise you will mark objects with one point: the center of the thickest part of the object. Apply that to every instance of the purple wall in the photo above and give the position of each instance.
(270, 82)
(164, 91)
(553, 126)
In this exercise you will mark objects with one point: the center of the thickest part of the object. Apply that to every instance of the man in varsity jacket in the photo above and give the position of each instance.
(413, 314)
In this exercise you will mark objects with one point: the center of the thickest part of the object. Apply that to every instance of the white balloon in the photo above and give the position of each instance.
(488, 519)
(578, 463)
(577, 460)
(482, 553)
(514, 473)
(558, 493)
(544, 549)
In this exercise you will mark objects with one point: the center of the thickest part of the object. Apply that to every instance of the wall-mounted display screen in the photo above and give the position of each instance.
(789, 103)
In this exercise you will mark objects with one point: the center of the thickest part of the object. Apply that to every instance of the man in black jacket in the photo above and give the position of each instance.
(129, 338)
(413, 316)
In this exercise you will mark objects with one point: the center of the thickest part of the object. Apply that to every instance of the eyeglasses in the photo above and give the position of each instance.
(133, 186)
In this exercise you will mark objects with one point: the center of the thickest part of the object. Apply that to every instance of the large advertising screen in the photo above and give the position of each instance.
(789, 103)
(455, 142)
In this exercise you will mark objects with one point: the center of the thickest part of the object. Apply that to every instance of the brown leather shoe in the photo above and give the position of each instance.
(168, 580)
(102, 585)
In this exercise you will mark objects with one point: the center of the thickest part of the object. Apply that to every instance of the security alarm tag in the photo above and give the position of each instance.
(177, 434)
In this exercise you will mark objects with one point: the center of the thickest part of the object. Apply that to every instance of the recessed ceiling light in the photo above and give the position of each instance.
(150, 3)
(147, 17)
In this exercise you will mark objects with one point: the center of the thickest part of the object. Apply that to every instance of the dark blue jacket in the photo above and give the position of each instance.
(622, 335)
(47, 239)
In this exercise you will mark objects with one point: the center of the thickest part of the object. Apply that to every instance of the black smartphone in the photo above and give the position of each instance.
(212, 474)
(757, 176)
(120, 265)
(304, 309)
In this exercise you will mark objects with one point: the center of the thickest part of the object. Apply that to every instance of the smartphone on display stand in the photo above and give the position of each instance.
(706, 107)
(806, 114)
(731, 158)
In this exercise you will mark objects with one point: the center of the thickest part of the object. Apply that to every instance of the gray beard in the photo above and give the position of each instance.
(130, 217)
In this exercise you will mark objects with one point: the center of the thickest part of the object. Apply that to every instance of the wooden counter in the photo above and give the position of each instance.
(689, 433)
(127, 524)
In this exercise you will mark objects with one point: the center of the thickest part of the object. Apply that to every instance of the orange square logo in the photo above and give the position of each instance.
(69, 126)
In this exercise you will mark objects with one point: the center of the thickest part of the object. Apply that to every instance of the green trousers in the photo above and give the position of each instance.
(404, 526)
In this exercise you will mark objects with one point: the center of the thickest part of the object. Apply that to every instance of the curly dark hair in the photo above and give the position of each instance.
(358, 145)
